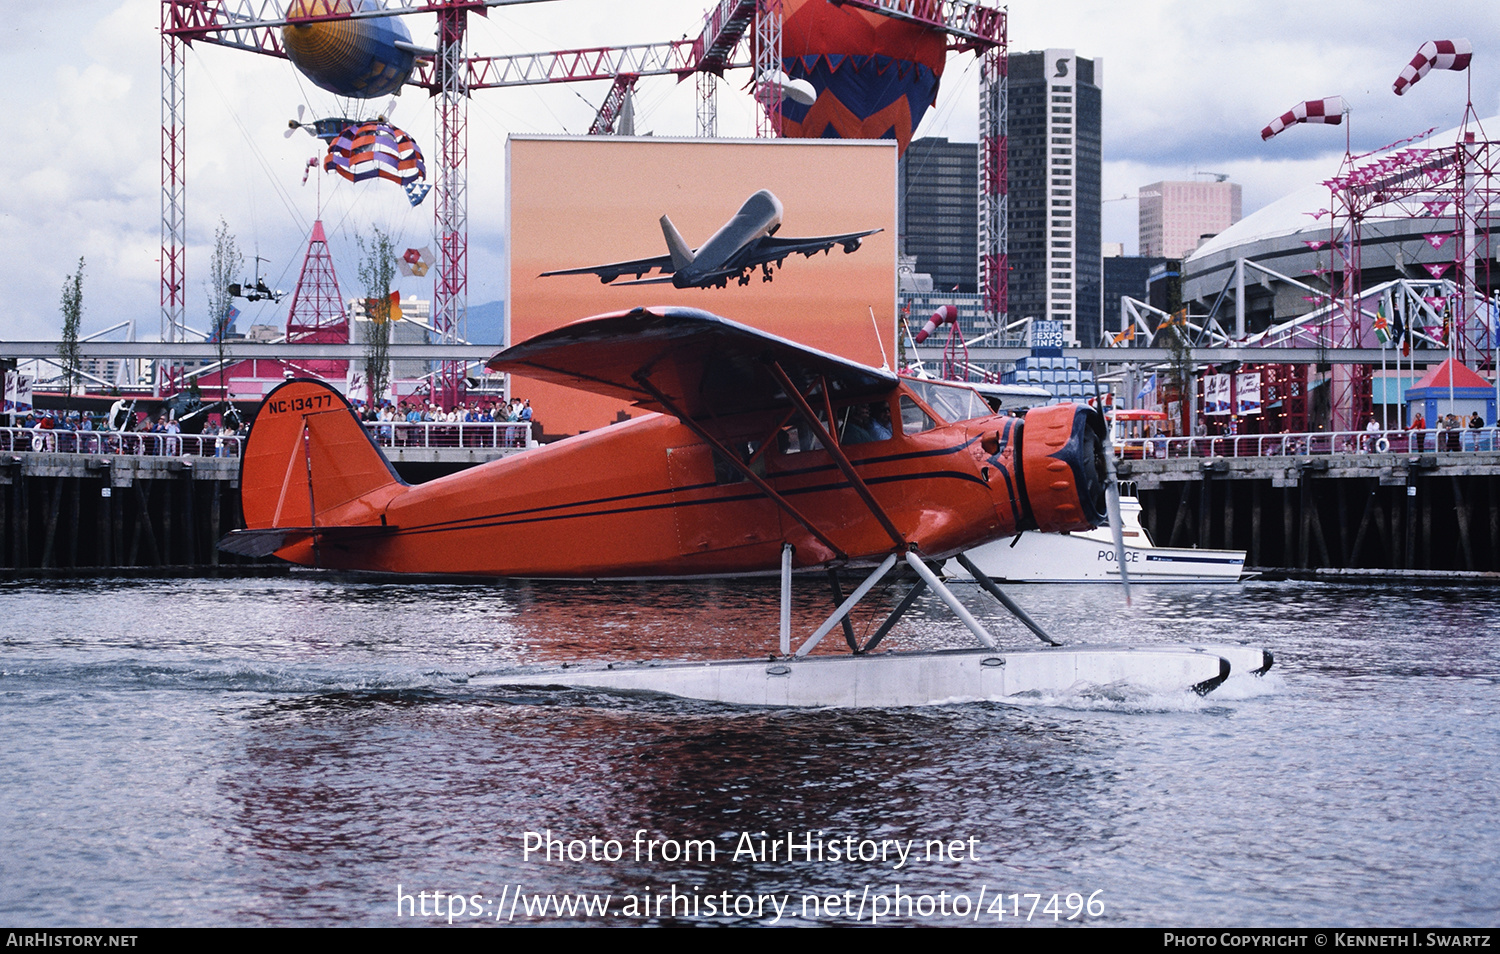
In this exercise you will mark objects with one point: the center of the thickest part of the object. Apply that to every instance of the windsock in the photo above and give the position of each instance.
(1434, 55)
(1330, 111)
(944, 314)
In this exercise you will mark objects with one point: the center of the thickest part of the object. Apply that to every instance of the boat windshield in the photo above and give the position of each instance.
(952, 402)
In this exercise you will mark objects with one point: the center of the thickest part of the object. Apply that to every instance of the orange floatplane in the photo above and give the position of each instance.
(765, 457)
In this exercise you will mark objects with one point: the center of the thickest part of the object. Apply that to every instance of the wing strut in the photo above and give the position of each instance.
(833, 448)
(741, 466)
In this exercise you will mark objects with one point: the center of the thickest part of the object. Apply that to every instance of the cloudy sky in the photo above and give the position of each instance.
(1187, 88)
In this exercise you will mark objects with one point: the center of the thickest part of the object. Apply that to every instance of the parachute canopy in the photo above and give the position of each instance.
(875, 76)
(1435, 55)
(362, 58)
(379, 150)
(1330, 110)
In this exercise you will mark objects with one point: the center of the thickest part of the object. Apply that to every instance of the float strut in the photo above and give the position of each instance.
(931, 580)
(847, 605)
(989, 585)
(895, 616)
(786, 599)
(838, 597)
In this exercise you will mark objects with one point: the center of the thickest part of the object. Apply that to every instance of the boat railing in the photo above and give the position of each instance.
(41, 440)
(1312, 444)
(513, 435)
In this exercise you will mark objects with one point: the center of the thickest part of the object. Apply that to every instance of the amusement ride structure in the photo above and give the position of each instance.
(1450, 189)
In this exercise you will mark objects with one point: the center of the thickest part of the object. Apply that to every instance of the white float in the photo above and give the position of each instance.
(913, 679)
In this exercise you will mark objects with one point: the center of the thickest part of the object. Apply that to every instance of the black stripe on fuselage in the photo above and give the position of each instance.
(518, 517)
(1010, 486)
(502, 518)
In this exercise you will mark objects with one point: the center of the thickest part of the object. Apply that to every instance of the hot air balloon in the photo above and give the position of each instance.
(875, 76)
(379, 150)
(362, 58)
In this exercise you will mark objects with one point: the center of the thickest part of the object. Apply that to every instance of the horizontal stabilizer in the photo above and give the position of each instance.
(263, 543)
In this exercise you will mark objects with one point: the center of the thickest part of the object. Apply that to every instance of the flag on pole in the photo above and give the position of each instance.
(384, 309)
(1147, 389)
(1382, 326)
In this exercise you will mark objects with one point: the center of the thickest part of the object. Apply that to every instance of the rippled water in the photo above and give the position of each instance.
(291, 751)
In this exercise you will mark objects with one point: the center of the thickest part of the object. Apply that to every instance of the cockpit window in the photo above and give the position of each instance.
(951, 401)
(860, 423)
(865, 423)
(914, 420)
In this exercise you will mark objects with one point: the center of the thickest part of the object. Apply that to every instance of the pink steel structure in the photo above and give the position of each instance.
(317, 314)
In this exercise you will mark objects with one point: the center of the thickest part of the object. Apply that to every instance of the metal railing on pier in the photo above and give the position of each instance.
(503, 435)
(1316, 443)
(40, 440)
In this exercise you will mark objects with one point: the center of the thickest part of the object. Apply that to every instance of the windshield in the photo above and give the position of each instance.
(952, 402)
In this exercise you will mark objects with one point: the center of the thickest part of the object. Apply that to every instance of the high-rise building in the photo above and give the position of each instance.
(1176, 216)
(1054, 168)
(936, 210)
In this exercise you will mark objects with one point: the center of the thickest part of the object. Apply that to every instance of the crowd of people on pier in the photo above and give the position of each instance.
(497, 423)
(90, 432)
(425, 424)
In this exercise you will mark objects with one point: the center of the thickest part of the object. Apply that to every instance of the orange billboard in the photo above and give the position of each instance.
(582, 205)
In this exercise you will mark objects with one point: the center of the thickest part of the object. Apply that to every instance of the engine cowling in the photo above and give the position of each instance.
(1061, 477)
(1063, 469)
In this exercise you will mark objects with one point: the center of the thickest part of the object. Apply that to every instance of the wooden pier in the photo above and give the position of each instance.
(74, 511)
(1377, 512)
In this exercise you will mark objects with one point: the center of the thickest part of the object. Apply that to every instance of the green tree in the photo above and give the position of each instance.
(223, 268)
(1181, 370)
(69, 352)
(377, 271)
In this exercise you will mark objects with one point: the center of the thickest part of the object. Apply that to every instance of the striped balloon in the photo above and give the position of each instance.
(1330, 110)
(1435, 55)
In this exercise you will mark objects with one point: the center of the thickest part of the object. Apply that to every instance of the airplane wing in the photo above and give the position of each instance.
(771, 248)
(707, 365)
(612, 271)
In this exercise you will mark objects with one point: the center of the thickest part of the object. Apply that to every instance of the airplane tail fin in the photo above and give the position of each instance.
(309, 471)
(682, 256)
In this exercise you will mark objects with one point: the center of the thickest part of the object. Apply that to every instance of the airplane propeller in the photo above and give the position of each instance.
(1112, 493)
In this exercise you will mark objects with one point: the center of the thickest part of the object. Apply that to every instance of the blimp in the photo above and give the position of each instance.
(362, 57)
